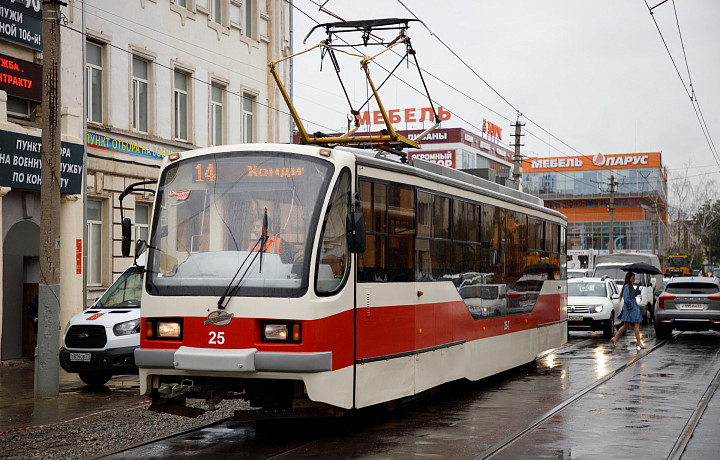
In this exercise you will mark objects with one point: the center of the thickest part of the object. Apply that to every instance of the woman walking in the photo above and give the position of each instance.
(630, 312)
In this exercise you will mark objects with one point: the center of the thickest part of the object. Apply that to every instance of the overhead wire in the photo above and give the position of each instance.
(557, 171)
(330, 13)
(690, 94)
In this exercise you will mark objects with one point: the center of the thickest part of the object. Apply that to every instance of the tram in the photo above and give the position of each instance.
(387, 279)
(311, 279)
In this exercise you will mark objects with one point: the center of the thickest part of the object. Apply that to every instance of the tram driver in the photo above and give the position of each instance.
(274, 244)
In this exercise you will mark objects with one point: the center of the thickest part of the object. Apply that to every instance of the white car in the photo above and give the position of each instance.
(100, 342)
(593, 304)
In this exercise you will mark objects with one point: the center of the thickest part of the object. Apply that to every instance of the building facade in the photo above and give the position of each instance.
(457, 148)
(580, 187)
(161, 76)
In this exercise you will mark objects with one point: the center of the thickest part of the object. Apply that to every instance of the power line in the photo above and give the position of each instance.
(691, 93)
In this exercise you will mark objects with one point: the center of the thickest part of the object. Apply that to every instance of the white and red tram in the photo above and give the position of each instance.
(459, 278)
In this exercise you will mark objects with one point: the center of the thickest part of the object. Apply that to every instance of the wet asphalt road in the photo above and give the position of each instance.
(584, 400)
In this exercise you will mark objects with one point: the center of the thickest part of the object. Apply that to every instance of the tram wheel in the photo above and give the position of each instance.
(391, 406)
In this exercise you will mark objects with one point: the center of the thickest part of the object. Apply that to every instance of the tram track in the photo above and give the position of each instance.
(681, 441)
(314, 439)
(517, 436)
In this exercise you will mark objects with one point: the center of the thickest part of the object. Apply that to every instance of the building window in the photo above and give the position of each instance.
(182, 3)
(180, 101)
(248, 123)
(18, 107)
(94, 244)
(216, 11)
(249, 12)
(217, 94)
(142, 221)
(93, 68)
(140, 87)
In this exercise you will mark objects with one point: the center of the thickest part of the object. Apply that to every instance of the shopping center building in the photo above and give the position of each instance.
(580, 186)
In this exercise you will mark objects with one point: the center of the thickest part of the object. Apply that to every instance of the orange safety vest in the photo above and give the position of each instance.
(272, 247)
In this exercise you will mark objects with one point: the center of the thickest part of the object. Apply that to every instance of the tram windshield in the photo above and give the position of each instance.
(210, 216)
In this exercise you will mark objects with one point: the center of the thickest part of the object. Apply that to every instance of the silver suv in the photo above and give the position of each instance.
(688, 303)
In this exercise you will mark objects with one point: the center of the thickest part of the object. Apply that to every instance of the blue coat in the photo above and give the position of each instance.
(631, 311)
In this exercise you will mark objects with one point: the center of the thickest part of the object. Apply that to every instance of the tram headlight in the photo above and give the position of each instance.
(281, 332)
(169, 330)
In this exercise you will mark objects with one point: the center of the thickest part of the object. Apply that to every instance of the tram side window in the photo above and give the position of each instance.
(466, 247)
(432, 245)
(536, 241)
(372, 264)
(333, 262)
(516, 240)
(401, 241)
(492, 235)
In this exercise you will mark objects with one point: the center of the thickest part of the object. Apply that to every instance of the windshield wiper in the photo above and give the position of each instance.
(231, 290)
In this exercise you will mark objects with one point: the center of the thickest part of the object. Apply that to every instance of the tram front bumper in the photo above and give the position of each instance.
(232, 360)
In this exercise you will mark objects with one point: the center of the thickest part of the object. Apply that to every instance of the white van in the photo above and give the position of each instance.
(100, 342)
(610, 265)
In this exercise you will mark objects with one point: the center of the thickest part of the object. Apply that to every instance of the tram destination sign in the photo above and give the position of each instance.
(20, 163)
(21, 22)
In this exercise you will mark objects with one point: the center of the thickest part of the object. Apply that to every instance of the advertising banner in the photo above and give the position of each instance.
(441, 157)
(20, 163)
(21, 22)
(20, 78)
(126, 145)
(594, 162)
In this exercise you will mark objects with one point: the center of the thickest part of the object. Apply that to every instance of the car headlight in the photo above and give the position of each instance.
(127, 328)
(596, 308)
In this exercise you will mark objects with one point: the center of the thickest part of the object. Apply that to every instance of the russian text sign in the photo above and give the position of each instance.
(20, 163)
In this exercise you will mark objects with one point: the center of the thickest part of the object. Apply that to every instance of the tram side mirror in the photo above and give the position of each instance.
(355, 228)
(126, 231)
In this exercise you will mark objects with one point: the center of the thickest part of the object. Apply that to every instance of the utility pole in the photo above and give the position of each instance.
(517, 159)
(611, 208)
(46, 362)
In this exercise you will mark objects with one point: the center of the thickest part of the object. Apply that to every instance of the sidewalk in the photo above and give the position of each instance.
(19, 408)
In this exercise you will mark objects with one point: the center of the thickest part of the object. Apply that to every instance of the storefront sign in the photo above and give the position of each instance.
(599, 161)
(129, 146)
(21, 23)
(412, 115)
(20, 163)
(20, 78)
(442, 157)
(492, 129)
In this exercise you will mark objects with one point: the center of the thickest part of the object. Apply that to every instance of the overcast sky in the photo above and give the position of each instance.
(595, 75)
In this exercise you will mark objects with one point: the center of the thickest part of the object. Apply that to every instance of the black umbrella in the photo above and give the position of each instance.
(541, 267)
(641, 267)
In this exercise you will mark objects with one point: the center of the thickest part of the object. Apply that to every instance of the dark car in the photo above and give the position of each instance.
(688, 304)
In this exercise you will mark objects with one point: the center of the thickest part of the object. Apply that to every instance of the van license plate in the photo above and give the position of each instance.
(84, 357)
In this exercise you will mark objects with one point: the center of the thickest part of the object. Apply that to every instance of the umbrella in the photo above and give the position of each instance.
(641, 267)
(541, 267)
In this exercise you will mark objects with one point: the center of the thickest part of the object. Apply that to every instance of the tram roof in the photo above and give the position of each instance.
(416, 167)
(451, 176)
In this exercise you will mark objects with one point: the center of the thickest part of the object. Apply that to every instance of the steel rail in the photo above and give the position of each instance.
(513, 438)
